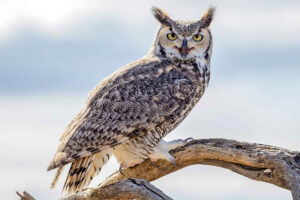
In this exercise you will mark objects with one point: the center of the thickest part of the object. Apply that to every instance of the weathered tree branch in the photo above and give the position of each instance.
(25, 196)
(122, 190)
(260, 162)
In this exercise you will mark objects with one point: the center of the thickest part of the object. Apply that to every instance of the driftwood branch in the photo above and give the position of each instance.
(259, 162)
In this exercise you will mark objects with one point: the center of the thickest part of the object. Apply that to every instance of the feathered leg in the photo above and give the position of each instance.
(161, 151)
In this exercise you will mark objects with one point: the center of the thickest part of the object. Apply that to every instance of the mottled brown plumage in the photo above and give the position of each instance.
(128, 113)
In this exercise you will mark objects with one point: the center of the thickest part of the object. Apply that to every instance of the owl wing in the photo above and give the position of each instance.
(128, 104)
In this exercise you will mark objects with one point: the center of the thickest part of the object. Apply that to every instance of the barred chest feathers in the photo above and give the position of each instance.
(198, 71)
(187, 93)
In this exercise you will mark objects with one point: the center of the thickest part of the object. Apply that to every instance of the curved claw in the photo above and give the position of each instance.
(188, 139)
(173, 161)
(120, 170)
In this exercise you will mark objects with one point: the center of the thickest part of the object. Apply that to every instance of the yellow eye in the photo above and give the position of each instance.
(172, 36)
(197, 37)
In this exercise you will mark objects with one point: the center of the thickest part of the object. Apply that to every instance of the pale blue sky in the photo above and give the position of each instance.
(52, 53)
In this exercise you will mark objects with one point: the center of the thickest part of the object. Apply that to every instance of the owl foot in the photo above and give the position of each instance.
(161, 152)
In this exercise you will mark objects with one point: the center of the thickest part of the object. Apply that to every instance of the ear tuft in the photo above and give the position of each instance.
(161, 16)
(207, 17)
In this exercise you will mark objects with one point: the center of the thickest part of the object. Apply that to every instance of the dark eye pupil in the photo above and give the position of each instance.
(173, 34)
(196, 36)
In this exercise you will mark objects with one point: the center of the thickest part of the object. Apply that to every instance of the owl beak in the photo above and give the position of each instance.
(184, 48)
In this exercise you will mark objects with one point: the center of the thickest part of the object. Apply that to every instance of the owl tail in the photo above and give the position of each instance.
(83, 170)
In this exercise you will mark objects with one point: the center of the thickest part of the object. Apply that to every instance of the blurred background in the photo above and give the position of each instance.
(52, 53)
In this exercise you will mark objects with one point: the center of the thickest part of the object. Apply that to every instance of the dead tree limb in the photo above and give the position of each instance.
(259, 162)
(122, 190)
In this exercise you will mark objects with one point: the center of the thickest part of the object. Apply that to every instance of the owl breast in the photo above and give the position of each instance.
(198, 75)
(175, 91)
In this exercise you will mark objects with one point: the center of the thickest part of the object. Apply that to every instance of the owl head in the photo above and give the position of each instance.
(183, 39)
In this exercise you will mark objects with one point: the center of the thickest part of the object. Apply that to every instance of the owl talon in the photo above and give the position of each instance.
(188, 139)
(120, 170)
(173, 162)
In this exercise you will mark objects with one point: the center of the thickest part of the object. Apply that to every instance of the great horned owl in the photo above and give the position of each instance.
(129, 112)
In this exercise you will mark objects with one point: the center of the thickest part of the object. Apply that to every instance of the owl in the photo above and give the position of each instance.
(130, 112)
